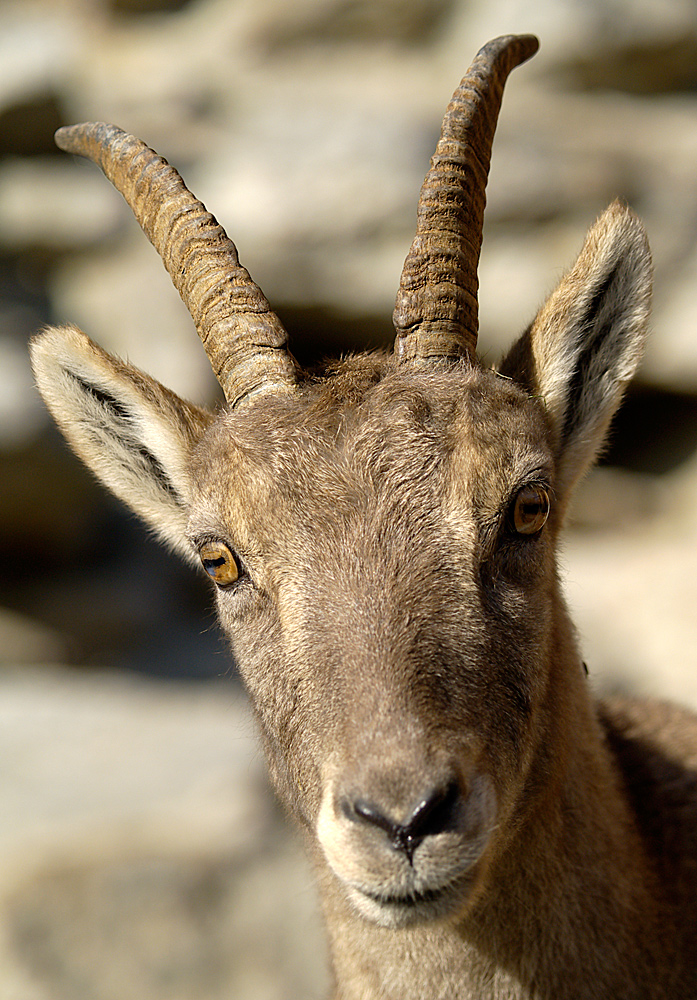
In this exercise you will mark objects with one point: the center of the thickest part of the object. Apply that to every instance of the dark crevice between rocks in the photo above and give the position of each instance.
(27, 127)
(651, 66)
(654, 432)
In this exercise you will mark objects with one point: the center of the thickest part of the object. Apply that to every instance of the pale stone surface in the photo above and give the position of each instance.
(25, 641)
(141, 854)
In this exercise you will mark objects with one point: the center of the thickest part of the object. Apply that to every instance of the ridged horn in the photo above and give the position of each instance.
(244, 340)
(436, 313)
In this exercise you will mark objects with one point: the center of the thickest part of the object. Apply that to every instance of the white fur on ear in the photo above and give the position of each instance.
(588, 339)
(133, 433)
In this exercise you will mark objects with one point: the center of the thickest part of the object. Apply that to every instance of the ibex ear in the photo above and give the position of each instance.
(587, 340)
(133, 433)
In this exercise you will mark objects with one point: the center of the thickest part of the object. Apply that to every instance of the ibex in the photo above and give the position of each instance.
(382, 540)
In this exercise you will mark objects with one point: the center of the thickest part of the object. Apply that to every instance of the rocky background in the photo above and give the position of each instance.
(141, 854)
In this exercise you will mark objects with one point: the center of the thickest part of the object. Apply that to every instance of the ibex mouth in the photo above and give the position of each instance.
(414, 906)
(413, 899)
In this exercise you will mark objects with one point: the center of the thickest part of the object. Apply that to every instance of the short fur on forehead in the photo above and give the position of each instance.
(371, 416)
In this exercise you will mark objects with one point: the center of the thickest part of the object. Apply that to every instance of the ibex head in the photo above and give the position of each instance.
(381, 539)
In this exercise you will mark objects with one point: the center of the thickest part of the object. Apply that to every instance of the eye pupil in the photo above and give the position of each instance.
(531, 510)
(220, 563)
(210, 564)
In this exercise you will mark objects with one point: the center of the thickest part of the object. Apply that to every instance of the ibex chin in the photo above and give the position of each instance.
(382, 543)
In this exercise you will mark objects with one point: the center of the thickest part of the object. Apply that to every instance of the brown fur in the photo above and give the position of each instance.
(409, 654)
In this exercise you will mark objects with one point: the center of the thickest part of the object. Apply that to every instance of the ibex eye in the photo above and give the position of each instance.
(531, 510)
(220, 563)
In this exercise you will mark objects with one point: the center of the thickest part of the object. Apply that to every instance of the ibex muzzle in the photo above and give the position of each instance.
(382, 541)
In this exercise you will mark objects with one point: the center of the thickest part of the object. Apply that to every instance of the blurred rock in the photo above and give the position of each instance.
(38, 42)
(632, 598)
(27, 126)
(47, 515)
(150, 326)
(593, 30)
(44, 203)
(672, 350)
(648, 64)
(146, 6)
(368, 21)
(21, 414)
(141, 853)
(23, 640)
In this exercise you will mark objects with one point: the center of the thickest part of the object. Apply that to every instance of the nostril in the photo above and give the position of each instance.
(434, 813)
(362, 810)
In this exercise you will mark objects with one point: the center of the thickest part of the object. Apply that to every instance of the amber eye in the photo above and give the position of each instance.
(531, 510)
(220, 563)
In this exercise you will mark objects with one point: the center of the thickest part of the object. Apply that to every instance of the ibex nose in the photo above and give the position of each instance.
(433, 813)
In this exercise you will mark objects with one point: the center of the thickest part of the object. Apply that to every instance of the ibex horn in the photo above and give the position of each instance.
(244, 340)
(436, 310)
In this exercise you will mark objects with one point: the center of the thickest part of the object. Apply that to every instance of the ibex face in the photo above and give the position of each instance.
(390, 620)
(382, 539)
